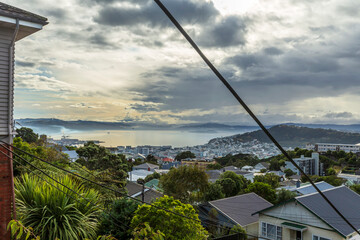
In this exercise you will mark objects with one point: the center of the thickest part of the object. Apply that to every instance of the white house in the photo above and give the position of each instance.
(310, 217)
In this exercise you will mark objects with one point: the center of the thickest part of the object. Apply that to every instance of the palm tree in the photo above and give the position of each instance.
(57, 214)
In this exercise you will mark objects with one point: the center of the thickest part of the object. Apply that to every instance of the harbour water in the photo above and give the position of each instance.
(115, 138)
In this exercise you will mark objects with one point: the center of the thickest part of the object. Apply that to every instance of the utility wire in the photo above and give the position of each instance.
(109, 188)
(244, 105)
(47, 175)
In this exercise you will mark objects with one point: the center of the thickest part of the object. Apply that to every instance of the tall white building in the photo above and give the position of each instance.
(324, 147)
(310, 165)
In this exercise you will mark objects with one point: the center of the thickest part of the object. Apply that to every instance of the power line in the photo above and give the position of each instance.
(47, 175)
(109, 188)
(244, 105)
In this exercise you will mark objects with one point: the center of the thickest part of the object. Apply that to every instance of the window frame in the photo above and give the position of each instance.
(278, 229)
(320, 237)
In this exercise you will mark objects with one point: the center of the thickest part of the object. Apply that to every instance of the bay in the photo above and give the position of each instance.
(115, 138)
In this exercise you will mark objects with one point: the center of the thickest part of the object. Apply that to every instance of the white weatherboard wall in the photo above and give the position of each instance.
(5, 66)
(295, 212)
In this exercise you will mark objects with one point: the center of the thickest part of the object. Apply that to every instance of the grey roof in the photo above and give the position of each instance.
(146, 166)
(135, 190)
(308, 189)
(213, 175)
(265, 164)
(13, 12)
(234, 169)
(230, 168)
(241, 207)
(344, 199)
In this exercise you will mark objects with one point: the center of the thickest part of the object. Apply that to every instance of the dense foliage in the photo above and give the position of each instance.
(173, 226)
(284, 134)
(264, 190)
(269, 178)
(115, 221)
(27, 134)
(232, 184)
(96, 157)
(214, 191)
(284, 195)
(56, 214)
(332, 180)
(183, 182)
(238, 160)
(184, 155)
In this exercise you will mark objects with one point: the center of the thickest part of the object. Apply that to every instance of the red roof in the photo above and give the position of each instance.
(168, 160)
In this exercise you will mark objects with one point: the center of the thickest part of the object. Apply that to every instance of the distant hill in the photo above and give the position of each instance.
(296, 136)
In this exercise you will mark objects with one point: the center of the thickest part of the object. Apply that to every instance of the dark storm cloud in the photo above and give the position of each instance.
(339, 115)
(273, 51)
(24, 64)
(246, 61)
(148, 13)
(100, 39)
(144, 107)
(56, 12)
(229, 31)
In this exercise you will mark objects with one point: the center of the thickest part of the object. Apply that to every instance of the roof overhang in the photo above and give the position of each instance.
(26, 28)
(293, 226)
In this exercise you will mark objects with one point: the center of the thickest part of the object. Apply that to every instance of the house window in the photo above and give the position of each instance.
(271, 231)
(319, 238)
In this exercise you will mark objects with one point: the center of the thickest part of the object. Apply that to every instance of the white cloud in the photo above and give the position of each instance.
(295, 59)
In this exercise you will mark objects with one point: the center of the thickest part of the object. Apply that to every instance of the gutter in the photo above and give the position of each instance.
(10, 108)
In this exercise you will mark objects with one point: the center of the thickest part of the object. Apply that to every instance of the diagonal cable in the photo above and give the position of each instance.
(114, 190)
(47, 175)
(244, 105)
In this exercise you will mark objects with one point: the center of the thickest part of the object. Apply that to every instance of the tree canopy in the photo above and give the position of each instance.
(269, 178)
(120, 211)
(174, 227)
(27, 134)
(231, 183)
(56, 214)
(96, 157)
(214, 192)
(184, 155)
(182, 181)
(264, 190)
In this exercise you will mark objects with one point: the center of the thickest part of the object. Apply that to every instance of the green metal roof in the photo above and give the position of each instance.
(294, 226)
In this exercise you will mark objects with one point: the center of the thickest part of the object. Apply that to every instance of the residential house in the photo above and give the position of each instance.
(306, 188)
(136, 191)
(248, 175)
(15, 24)
(146, 166)
(247, 168)
(197, 163)
(213, 175)
(134, 175)
(237, 210)
(153, 184)
(262, 165)
(310, 217)
(168, 165)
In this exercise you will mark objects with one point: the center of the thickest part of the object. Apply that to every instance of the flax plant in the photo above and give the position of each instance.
(57, 214)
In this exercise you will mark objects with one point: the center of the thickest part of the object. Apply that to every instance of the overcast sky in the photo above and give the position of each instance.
(109, 60)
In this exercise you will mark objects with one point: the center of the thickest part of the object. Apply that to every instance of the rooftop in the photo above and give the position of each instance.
(344, 199)
(241, 207)
(13, 12)
(308, 189)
